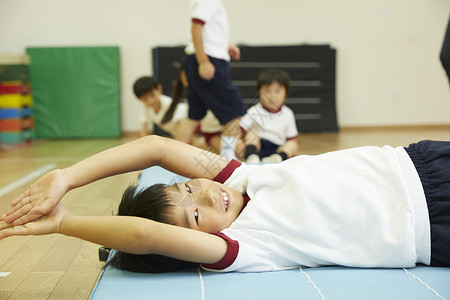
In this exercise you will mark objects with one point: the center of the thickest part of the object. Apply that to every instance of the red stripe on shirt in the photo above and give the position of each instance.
(230, 255)
(198, 21)
(232, 248)
(232, 245)
(272, 111)
(227, 171)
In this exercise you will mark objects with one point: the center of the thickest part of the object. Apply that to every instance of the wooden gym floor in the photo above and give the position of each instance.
(59, 267)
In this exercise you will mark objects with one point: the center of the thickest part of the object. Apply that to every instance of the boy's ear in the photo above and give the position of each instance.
(160, 88)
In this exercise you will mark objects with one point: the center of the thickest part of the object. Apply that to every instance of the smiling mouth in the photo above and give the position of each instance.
(225, 199)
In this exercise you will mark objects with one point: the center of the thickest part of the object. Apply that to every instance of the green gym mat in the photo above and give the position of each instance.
(76, 91)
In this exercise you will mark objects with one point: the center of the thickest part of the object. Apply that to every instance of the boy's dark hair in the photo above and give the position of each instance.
(145, 85)
(151, 203)
(269, 76)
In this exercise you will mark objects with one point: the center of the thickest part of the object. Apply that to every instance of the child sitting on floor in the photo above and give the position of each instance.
(269, 127)
(165, 114)
(361, 207)
(157, 108)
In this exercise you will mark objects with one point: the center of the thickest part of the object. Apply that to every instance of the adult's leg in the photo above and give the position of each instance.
(228, 106)
(197, 109)
(221, 97)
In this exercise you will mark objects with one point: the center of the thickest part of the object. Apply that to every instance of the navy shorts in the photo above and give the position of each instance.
(432, 161)
(267, 148)
(218, 94)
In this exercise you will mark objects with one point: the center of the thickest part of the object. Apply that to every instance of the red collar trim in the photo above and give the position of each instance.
(246, 199)
(272, 111)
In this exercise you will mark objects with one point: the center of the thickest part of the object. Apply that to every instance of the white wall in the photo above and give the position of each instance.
(388, 68)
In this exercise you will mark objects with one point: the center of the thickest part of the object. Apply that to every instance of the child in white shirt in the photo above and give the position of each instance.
(269, 127)
(363, 207)
(157, 109)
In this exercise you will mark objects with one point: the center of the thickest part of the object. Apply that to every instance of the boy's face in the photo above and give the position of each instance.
(204, 205)
(272, 95)
(151, 99)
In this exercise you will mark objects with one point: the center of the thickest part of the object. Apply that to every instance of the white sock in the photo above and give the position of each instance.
(227, 147)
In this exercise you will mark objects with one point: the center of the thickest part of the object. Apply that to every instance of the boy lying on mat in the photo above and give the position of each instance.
(361, 207)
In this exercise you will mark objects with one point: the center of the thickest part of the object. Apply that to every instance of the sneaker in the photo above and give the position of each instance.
(274, 158)
(253, 159)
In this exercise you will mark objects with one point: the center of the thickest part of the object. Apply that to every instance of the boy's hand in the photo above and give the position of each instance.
(38, 200)
(206, 70)
(234, 52)
(50, 223)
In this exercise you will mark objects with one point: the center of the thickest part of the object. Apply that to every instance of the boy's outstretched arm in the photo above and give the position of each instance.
(124, 233)
(143, 236)
(47, 191)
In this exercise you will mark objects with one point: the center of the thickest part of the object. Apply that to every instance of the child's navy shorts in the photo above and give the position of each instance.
(432, 161)
(267, 148)
(218, 94)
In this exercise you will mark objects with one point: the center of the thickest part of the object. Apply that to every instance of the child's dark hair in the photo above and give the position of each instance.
(151, 203)
(269, 76)
(144, 85)
(177, 95)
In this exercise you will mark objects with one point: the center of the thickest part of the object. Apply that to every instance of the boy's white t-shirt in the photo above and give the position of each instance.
(149, 116)
(362, 207)
(276, 127)
(215, 31)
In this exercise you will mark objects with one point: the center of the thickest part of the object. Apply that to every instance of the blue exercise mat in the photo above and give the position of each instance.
(304, 283)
